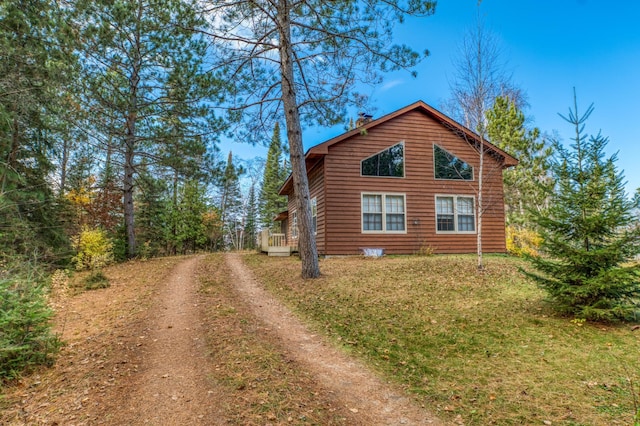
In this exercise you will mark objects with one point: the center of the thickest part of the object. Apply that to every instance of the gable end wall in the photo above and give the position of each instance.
(339, 224)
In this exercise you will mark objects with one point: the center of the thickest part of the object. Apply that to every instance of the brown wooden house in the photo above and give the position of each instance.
(403, 183)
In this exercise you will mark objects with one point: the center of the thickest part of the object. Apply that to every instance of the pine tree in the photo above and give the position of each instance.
(274, 176)
(35, 68)
(525, 186)
(152, 222)
(589, 232)
(251, 221)
(146, 86)
(191, 208)
(231, 201)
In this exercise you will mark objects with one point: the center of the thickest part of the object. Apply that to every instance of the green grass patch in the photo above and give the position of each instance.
(485, 348)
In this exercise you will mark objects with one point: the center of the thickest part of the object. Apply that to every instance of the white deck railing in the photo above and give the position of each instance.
(272, 243)
(278, 240)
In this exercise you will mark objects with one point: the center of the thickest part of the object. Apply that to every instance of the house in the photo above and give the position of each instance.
(403, 183)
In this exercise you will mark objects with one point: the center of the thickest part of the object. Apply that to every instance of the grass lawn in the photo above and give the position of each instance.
(474, 349)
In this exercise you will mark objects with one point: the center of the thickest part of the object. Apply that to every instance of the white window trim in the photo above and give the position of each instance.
(455, 213)
(294, 224)
(404, 163)
(314, 214)
(384, 213)
(473, 169)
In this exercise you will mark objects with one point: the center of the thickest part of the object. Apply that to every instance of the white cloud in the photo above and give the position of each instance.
(391, 84)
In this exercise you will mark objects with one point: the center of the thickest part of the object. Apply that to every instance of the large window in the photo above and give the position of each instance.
(383, 213)
(455, 213)
(448, 166)
(387, 163)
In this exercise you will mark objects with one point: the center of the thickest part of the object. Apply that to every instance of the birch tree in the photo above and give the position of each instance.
(480, 77)
(303, 59)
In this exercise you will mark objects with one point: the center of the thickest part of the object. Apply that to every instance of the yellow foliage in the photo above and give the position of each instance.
(93, 247)
(523, 241)
(211, 219)
(82, 196)
(79, 197)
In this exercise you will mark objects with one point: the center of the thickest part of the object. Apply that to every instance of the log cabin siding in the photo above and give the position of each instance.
(334, 170)
(344, 185)
(316, 190)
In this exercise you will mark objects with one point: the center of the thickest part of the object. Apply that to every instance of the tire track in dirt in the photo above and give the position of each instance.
(172, 387)
(350, 381)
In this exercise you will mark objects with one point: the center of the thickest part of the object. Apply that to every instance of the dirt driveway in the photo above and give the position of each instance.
(157, 349)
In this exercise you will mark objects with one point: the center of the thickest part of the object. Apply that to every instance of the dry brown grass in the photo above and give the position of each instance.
(255, 382)
(476, 349)
(100, 329)
(263, 386)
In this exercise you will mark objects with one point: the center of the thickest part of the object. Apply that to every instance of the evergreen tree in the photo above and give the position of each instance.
(145, 85)
(191, 210)
(525, 186)
(589, 232)
(231, 202)
(251, 221)
(274, 176)
(35, 67)
(152, 222)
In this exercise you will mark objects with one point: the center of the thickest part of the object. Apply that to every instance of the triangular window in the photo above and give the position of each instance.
(448, 166)
(388, 163)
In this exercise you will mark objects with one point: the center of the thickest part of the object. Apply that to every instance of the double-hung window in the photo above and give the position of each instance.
(455, 213)
(383, 213)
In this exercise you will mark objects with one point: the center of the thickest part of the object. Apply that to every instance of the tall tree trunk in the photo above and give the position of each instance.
(130, 142)
(129, 222)
(108, 162)
(174, 225)
(480, 206)
(307, 244)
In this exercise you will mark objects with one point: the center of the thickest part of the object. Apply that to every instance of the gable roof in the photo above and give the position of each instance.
(318, 151)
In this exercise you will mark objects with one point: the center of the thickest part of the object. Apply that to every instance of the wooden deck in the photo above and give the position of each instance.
(276, 244)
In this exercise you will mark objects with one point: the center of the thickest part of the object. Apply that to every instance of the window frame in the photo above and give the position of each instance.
(473, 175)
(404, 169)
(383, 213)
(456, 223)
(294, 224)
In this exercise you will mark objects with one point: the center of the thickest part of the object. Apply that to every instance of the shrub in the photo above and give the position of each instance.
(522, 241)
(26, 339)
(94, 249)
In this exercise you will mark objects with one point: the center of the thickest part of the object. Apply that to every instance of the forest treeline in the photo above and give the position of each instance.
(110, 120)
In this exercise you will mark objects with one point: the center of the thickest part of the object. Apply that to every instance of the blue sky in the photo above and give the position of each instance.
(549, 47)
